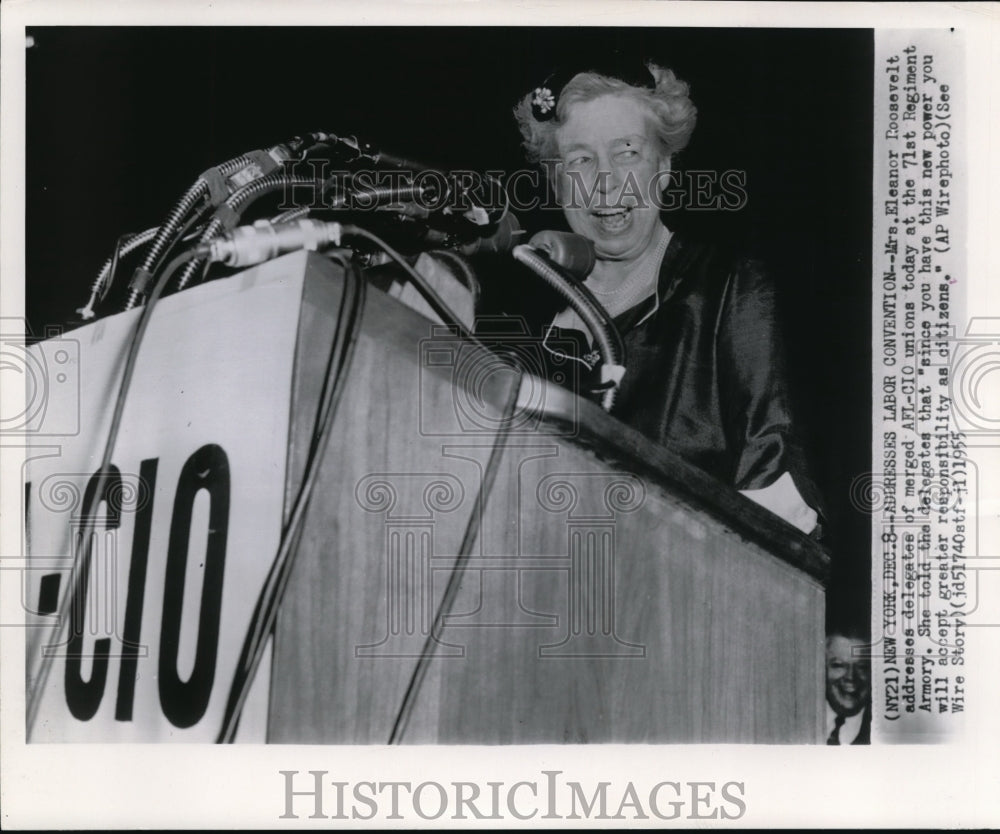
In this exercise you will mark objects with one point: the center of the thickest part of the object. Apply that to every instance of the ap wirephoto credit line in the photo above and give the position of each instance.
(925, 491)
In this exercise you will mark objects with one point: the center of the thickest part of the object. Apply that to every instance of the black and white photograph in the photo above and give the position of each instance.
(457, 403)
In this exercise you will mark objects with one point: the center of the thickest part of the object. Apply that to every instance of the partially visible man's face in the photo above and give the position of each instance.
(847, 675)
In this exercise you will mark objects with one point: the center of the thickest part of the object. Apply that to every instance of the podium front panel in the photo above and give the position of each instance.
(594, 602)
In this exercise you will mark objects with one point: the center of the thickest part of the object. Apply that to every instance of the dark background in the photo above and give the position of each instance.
(120, 121)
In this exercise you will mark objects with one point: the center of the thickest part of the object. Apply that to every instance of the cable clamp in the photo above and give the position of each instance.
(612, 374)
(260, 164)
(216, 182)
(227, 216)
(141, 279)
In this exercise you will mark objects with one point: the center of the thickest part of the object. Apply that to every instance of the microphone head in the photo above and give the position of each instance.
(503, 237)
(574, 253)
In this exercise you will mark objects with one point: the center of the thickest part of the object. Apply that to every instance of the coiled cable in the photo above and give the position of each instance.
(268, 604)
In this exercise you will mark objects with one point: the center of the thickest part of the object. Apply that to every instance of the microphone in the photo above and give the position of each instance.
(364, 150)
(250, 245)
(462, 193)
(503, 238)
(573, 253)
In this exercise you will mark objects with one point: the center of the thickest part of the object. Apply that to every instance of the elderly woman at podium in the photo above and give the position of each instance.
(705, 371)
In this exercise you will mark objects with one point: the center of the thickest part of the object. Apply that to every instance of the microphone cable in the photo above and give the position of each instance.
(269, 600)
(450, 594)
(125, 245)
(438, 304)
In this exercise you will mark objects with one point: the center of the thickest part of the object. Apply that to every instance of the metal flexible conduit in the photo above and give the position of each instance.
(168, 229)
(97, 288)
(608, 340)
(237, 204)
(291, 214)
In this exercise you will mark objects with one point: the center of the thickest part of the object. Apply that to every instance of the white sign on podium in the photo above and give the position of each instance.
(190, 519)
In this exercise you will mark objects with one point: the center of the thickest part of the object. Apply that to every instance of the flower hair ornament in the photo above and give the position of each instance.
(543, 104)
(545, 97)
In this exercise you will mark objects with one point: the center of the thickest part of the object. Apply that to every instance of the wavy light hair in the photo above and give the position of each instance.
(673, 113)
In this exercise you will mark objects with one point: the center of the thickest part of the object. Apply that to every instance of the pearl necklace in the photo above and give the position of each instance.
(639, 284)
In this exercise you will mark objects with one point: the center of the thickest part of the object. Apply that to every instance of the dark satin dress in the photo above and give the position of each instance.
(705, 370)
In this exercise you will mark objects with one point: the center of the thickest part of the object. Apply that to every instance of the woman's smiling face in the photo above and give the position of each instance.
(608, 175)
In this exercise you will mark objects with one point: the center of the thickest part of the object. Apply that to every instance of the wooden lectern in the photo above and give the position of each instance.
(487, 559)
(609, 592)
